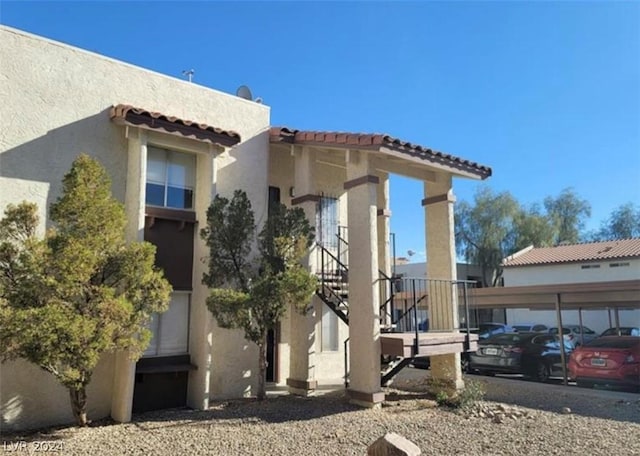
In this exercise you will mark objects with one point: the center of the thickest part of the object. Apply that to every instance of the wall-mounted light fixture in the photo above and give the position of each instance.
(292, 192)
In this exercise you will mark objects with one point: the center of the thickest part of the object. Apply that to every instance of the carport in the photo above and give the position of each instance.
(614, 295)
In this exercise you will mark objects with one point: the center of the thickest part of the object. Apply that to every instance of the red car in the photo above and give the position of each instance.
(611, 360)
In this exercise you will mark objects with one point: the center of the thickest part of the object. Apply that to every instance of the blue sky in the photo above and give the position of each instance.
(546, 93)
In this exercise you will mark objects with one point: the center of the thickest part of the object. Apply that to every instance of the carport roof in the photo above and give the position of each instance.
(595, 295)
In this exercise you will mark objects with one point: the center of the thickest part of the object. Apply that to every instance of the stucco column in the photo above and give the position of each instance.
(384, 254)
(441, 264)
(302, 332)
(135, 197)
(200, 337)
(364, 302)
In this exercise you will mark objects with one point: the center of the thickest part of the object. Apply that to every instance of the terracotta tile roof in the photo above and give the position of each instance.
(129, 115)
(593, 251)
(375, 141)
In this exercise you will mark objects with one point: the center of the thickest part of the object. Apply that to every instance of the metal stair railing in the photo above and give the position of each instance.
(334, 281)
(346, 362)
(406, 295)
(387, 295)
(343, 244)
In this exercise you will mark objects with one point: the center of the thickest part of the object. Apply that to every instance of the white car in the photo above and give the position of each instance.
(573, 334)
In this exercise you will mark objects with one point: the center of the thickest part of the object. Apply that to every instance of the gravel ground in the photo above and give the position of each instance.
(517, 417)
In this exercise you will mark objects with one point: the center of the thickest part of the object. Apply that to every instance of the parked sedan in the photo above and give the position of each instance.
(622, 331)
(534, 355)
(572, 334)
(486, 330)
(611, 360)
(530, 327)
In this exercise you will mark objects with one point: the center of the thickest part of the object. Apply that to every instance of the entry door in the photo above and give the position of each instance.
(272, 356)
(272, 335)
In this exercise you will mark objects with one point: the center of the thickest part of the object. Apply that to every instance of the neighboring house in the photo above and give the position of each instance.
(607, 261)
(169, 147)
(464, 271)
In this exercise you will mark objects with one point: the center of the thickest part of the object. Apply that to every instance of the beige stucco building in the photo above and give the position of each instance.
(170, 146)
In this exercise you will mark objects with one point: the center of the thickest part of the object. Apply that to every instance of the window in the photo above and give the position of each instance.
(590, 266)
(327, 222)
(274, 198)
(171, 329)
(329, 329)
(618, 265)
(171, 178)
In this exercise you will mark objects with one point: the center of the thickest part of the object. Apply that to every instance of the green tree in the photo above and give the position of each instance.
(81, 291)
(532, 227)
(485, 231)
(623, 223)
(568, 213)
(496, 226)
(254, 295)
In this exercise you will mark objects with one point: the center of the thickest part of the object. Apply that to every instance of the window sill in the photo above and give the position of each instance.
(161, 364)
(166, 368)
(170, 214)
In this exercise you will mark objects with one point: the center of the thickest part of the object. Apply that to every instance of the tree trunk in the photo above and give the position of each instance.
(78, 398)
(262, 367)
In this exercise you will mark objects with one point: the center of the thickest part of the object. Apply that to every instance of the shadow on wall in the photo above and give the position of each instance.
(46, 159)
(246, 167)
(32, 398)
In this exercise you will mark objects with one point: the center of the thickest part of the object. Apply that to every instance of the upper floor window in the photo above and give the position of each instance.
(171, 178)
(327, 222)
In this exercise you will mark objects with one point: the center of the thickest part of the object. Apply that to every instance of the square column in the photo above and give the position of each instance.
(364, 301)
(301, 379)
(441, 264)
(135, 196)
(384, 250)
(201, 320)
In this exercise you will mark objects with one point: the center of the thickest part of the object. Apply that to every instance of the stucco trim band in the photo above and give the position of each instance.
(307, 385)
(138, 117)
(170, 214)
(366, 399)
(368, 179)
(438, 199)
(304, 199)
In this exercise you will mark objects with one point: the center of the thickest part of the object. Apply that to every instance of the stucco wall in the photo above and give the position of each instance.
(32, 398)
(571, 273)
(234, 360)
(419, 270)
(55, 105)
(329, 180)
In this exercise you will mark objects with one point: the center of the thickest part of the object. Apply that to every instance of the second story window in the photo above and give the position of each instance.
(171, 178)
(327, 222)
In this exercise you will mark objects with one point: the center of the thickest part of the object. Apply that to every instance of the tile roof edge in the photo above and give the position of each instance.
(287, 135)
(517, 254)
